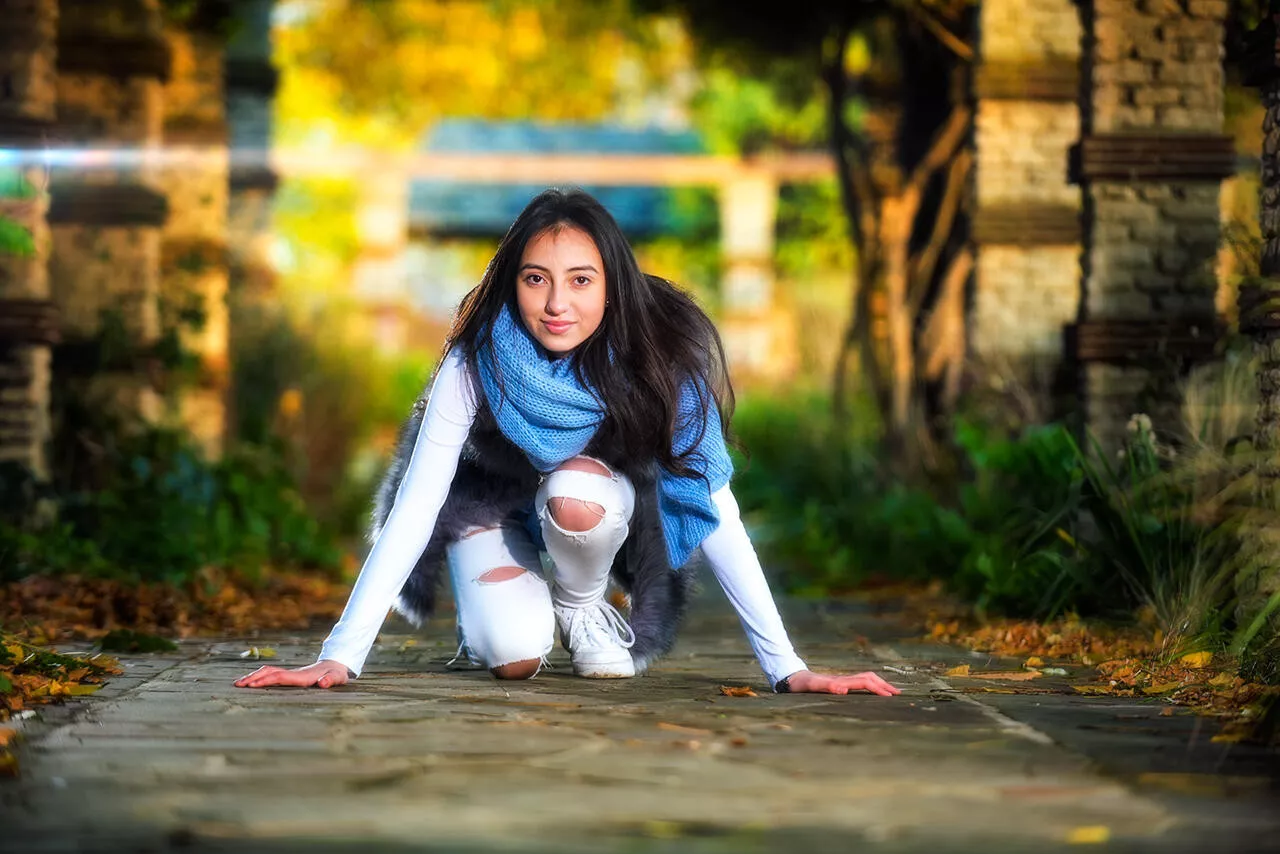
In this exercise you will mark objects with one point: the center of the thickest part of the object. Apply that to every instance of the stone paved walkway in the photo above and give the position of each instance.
(416, 757)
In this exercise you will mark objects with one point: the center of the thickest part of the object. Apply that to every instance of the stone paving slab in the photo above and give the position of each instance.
(414, 756)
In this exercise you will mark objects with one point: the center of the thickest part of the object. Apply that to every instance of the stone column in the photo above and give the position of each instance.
(1027, 214)
(1150, 163)
(755, 346)
(106, 214)
(28, 102)
(1259, 312)
(194, 179)
(250, 85)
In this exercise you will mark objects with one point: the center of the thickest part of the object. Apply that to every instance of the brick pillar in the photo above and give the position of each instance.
(751, 331)
(1150, 163)
(106, 218)
(28, 103)
(1027, 214)
(193, 241)
(250, 85)
(1259, 312)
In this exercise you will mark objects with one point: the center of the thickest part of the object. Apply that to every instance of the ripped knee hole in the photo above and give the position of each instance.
(501, 573)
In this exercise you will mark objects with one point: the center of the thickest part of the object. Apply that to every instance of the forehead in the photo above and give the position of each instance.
(564, 244)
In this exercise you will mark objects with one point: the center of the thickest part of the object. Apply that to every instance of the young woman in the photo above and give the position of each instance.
(577, 411)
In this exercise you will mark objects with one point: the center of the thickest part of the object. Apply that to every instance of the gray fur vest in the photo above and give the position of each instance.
(496, 482)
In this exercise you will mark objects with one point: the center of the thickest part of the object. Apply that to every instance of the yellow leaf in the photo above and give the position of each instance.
(687, 730)
(1162, 688)
(1034, 661)
(1095, 834)
(737, 691)
(1222, 680)
(962, 670)
(81, 690)
(1009, 675)
(1197, 659)
(1091, 689)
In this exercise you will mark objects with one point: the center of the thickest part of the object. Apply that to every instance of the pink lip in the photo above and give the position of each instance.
(557, 326)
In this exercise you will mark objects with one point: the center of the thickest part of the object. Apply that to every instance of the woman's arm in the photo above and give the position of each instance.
(451, 408)
(733, 559)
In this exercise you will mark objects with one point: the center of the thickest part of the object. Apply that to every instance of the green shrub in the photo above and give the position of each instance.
(159, 512)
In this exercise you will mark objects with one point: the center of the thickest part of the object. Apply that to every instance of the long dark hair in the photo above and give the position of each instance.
(659, 337)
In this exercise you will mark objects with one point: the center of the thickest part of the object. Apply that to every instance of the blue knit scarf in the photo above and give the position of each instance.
(552, 417)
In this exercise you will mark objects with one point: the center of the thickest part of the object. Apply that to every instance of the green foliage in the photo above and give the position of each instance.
(127, 640)
(15, 240)
(1032, 525)
(155, 510)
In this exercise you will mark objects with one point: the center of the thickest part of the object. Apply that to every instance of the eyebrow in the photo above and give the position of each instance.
(570, 270)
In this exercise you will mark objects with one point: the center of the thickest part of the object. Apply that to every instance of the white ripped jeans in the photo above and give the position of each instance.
(511, 617)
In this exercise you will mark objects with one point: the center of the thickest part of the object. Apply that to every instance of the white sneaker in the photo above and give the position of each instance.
(598, 639)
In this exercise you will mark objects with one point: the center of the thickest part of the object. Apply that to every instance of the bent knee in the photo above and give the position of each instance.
(586, 464)
(525, 669)
(574, 514)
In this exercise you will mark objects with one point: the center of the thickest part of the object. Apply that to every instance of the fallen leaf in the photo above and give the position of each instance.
(258, 652)
(1166, 712)
(1222, 680)
(1162, 688)
(7, 735)
(1095, 834)
(1197, 659)
(1034, 661)
(962, 670)
(1009, 675)
(687, 730)
(737, 691)
(738, 742)
(1091, 689)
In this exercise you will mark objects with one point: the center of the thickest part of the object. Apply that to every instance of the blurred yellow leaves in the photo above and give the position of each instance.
(1197, 659)
(1089, 835)
(382, 73)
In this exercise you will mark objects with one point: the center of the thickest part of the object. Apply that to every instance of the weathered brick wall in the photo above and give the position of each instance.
(1027, 213)
(194, 179)
(28, 102)
(1157, 75)
(106, 218)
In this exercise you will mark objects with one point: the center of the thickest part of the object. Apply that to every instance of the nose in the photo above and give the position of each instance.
(557, 299)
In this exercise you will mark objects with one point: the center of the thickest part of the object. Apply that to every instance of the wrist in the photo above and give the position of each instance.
(784, 685)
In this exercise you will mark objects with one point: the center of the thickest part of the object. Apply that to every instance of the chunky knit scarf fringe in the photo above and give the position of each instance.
(543, 408)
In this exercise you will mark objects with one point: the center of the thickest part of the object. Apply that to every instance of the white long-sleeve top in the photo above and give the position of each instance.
(451, 409)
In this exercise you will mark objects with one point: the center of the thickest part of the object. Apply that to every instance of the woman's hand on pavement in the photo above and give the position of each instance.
(808, 682)
(322, 674)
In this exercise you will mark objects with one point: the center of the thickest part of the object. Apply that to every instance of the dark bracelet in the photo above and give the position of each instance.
(783, 685)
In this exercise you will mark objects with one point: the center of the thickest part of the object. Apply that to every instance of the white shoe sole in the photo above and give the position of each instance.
(613, 670)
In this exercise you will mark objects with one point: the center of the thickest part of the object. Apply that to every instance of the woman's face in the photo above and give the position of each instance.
(560, 288)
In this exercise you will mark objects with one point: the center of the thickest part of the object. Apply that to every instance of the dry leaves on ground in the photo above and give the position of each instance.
(48, 609)
(1130, 661)
(737, 691)
(31, 675)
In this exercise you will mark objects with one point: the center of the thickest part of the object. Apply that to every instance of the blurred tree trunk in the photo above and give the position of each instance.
(905, 208)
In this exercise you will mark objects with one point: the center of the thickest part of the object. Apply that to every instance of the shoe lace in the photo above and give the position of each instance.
(598, 624)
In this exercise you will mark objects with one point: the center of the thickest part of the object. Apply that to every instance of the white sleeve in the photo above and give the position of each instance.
(451, 408)
(733, 559)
